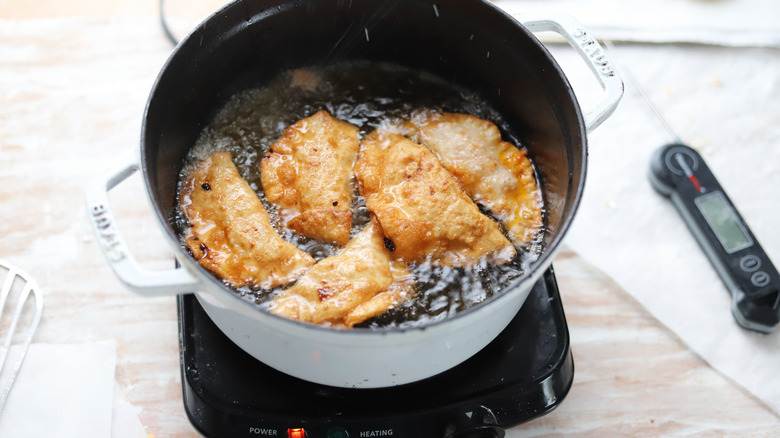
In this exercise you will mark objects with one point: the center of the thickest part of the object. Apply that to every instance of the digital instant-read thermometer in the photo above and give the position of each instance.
(680, 173)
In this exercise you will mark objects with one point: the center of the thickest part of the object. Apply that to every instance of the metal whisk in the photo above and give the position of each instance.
(29, 290)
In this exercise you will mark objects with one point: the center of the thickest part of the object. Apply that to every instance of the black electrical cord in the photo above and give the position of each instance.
(164, 24)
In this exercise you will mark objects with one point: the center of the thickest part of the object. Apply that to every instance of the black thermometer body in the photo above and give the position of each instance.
(680, 173)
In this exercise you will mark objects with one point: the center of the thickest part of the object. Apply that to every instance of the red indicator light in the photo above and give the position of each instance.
(298, 432)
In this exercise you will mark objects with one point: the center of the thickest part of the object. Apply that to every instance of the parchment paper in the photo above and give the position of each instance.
(725, 102)
(723, 22)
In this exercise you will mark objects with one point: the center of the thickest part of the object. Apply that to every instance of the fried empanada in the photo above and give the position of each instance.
(307, 173)
(231, 234)
(493, 172)
(358, 283)
(422, 209)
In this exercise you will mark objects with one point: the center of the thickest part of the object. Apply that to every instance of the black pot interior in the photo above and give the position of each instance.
(468, 42)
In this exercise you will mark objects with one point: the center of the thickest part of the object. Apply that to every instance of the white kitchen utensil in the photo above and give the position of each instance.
(29, 290)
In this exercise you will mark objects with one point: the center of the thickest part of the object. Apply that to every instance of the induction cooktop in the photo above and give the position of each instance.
(524, 373)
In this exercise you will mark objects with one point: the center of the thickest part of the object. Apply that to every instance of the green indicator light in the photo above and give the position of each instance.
(338, 432)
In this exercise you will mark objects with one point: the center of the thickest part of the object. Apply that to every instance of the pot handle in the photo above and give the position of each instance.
(590, 51)
(129, 272)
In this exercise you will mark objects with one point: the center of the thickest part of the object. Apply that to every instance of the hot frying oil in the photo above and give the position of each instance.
(367, 96)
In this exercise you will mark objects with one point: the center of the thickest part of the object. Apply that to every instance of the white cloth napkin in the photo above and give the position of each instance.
(62, 390)
(728, 23)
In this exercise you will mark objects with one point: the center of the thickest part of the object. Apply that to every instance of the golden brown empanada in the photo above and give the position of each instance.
(360, 282)
(422, 209)
(307, 173)
(493, 172)
(231, 234)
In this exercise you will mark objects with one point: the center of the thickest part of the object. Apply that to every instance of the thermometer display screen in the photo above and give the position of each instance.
(723, 222)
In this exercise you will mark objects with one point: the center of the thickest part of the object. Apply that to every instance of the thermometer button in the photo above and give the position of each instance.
(681, 162)
(750, 263)
(760, 279)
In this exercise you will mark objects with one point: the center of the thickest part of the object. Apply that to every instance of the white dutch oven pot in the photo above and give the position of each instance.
(472, 43)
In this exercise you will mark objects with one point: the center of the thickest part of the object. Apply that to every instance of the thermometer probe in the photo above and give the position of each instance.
(680, 173)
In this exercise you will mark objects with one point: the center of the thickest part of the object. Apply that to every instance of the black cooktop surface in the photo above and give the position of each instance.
(524, 373)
